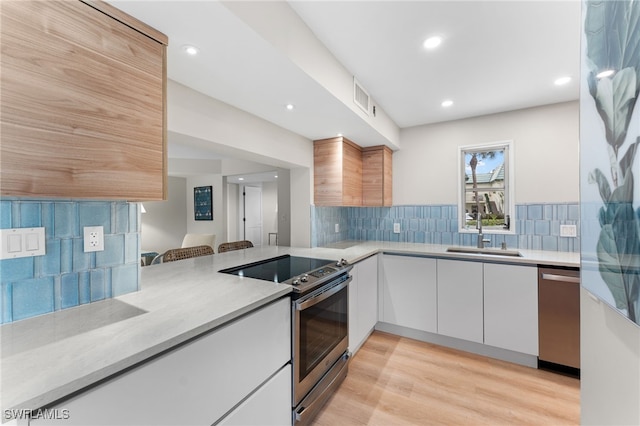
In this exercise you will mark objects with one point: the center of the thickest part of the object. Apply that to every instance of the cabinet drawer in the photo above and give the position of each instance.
(196, 383)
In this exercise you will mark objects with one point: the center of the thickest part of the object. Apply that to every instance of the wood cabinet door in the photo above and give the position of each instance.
(83, 104)
(377, 176)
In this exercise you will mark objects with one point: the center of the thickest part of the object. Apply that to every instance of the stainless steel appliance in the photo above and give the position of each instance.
(320, 325)
(559, 319)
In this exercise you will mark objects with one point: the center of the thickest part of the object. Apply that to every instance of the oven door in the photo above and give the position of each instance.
(320, 334)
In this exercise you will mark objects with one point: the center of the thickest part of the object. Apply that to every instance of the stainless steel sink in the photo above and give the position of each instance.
(491, 251)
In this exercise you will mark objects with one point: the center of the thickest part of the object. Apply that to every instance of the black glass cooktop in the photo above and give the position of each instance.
(278, 269)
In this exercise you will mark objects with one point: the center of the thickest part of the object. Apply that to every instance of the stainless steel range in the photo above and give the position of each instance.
(320, 324)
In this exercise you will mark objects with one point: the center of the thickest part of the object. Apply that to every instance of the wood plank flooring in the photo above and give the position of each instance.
(394, 380)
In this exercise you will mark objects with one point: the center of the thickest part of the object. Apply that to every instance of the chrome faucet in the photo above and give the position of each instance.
(481, 239)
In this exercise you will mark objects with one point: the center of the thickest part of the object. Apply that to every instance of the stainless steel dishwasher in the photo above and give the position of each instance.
(559, 317)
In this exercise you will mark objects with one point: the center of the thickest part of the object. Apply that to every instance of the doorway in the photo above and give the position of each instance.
(251, 214)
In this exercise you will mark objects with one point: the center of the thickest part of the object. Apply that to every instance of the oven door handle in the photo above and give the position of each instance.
(322, 296)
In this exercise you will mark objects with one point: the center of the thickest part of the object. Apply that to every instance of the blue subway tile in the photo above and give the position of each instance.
(15, 215)
(93, 213)
(132, 247)
(69, 291)
(549, 243)
(66, 255)
(534, 212)
(542, 227)
(30, 214)
(563, 212)
(547, 211)
(47, 219)
(6, 313)
(97, 284)
(84, 287)
(5, 214)
(124, 279)
(574, 212)
(51, 260)
(12, 270)
(120, 223)
(32, 297)
(65, 225)
(81, 261)
(113, 253)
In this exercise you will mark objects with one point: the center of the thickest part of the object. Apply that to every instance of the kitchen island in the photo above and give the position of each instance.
(47, 358)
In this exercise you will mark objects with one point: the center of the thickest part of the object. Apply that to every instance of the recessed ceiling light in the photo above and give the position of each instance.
(339, 135)
(240, 178)
(190, 50)
(562, 81)
(447, 103)
(276, 176)
(432, 42)
(605, 73)
(290, 107)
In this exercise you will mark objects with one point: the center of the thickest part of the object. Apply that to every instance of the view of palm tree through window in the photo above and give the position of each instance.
(485, 188)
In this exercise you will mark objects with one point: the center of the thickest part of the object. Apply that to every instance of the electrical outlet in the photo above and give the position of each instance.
(93, 238)
(396, 228)
(568, 231)
(337, 227)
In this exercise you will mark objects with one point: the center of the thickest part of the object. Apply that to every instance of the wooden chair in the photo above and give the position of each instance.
(182, 253)
(234, 245)
(193, 240)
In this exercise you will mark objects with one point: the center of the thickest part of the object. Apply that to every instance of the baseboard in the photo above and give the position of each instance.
(451, 342)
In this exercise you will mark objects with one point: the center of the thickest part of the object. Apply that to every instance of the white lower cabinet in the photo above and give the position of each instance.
(199, 382)
(460, 300)
(268, 406)
(409, 296)
(511, 307)
(363, 301)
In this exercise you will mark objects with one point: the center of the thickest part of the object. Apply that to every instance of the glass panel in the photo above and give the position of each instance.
(490, 204)
(322, 327)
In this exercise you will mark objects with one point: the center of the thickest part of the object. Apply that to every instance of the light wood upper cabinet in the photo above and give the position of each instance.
(337, 166)
(347, 175)
(377, 186)
(83, 112)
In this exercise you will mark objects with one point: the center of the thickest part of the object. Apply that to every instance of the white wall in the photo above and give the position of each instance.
(234, 133)
(233, 203)
(546, 147)
(269, 210)
(164, 224)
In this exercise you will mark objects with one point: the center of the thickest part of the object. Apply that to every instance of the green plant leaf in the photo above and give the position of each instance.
(612, 29)
(600, 179)
(615, 99)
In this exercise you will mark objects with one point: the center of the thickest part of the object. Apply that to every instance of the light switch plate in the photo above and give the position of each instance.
(93, 238)
(22, 242)
(396, 228)
(337, 227)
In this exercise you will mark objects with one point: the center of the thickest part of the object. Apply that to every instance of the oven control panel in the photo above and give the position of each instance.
(319, 273)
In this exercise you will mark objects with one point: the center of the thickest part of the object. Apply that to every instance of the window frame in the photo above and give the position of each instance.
(509, 185)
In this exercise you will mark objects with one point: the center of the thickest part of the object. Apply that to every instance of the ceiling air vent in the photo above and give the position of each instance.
(360, 96)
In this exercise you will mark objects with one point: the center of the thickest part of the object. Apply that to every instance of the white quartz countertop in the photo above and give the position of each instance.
(49, 357)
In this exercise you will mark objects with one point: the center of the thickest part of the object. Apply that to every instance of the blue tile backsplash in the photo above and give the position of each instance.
(67, 276)
(537, 226)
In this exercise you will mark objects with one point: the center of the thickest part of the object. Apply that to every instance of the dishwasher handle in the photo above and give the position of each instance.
(561, 278)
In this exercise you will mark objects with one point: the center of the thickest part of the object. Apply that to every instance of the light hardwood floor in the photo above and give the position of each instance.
(393, 380)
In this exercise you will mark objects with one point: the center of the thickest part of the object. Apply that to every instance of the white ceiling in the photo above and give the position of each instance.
(496, 56)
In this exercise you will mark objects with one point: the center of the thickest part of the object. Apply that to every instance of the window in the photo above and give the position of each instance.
(486, 188)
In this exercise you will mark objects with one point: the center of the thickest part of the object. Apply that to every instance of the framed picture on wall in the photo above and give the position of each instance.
(202, 202)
